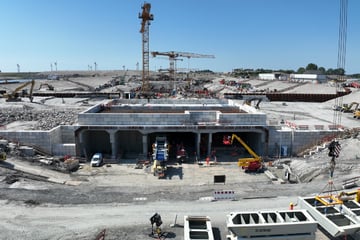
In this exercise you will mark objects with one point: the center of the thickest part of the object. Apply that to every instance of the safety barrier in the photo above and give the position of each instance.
(224, 195)
(290, 124)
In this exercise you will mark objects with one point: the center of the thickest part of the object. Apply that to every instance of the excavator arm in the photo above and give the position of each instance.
(252, 153)
(14, 95)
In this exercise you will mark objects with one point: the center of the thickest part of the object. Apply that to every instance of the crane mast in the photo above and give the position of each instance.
(146, 17)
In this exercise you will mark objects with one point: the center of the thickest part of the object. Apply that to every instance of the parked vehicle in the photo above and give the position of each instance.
(96, 160)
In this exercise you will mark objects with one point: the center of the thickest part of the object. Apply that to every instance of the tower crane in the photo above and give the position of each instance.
(146, 17)
(173, 56)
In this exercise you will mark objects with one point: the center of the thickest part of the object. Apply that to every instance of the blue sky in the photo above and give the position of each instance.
(270, 34)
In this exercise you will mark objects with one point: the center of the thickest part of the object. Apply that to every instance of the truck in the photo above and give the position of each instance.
(249, 164)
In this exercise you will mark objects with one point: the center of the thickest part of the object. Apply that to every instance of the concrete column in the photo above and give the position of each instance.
(113, 141)
(82, 149)
(145, 144)
(209, 145)
(198, 139)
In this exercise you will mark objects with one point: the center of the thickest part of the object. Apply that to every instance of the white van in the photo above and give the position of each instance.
(96, 160)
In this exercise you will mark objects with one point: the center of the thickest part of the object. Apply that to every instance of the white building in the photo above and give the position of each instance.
(309, 77)
(272, 76)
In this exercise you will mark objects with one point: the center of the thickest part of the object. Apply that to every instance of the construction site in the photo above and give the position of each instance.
(139, 154)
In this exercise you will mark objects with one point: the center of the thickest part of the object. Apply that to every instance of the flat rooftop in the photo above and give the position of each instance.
(170, 108)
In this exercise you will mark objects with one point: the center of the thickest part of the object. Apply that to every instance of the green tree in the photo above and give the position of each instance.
(301, 70)
(311, 67)
(322, 69)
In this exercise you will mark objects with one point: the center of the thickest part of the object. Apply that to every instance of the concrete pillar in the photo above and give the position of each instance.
(82, 149)
(113, 141)
(145, 144)
(198, 140)
(209, 145)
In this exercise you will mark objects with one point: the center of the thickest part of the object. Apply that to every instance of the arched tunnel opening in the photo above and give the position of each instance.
(96, 141)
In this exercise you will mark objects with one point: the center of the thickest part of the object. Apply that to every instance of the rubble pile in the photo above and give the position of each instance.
(45, 119)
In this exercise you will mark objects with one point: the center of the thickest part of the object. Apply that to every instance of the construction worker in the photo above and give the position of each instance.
(291, 206)
(207, 161)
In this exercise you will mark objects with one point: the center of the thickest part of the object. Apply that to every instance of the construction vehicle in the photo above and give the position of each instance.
(250, 164)
(48, 86)
(159, 168)
(349, 107)
(15, 96)
(2, 155)
(160, 156)
(357, 114)
(3, 149)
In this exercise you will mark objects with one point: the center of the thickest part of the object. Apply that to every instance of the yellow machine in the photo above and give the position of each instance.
(159, 168)
(2, 156)
(350, 107)
(357, 114)
(47, 86)
(347, 196)
(252, 164)
(14, 96)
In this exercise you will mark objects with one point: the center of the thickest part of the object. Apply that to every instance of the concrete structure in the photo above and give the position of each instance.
(198, 227)
(130, 127)
(271, 225)
(337, 219)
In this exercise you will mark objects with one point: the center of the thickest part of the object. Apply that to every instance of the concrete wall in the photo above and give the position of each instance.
(294, 141)
(58, 141)
(41, 139)
(189, 117)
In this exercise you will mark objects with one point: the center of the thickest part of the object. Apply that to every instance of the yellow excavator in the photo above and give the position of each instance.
(357, 114)
(250, 164)
(15, 96)
(352, 107)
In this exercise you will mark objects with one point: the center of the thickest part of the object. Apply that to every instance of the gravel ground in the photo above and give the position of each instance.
(121, 199)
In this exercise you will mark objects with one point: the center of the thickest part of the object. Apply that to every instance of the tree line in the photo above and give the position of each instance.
(310, 68)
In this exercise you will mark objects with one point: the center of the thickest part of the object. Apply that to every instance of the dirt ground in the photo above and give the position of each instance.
(121, 199)
(38, 203)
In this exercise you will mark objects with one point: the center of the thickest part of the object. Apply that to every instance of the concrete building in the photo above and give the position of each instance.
(273, 76)
(308, 77)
